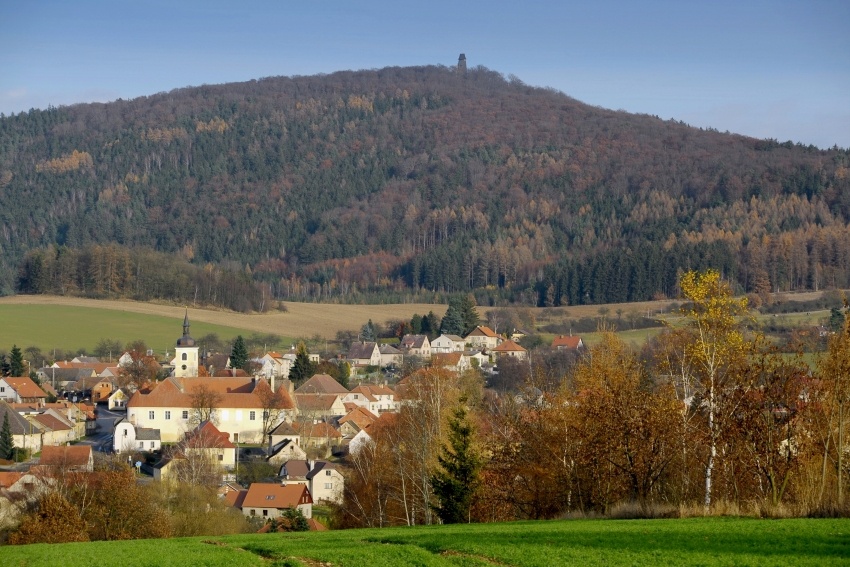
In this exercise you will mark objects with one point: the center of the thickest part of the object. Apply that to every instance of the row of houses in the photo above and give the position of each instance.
(482, 345)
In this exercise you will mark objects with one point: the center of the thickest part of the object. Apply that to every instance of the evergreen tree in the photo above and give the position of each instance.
(7, 443)
(416, 324)
(302, 369)
(836, 320)
(457, 481)
(430, 325)
(367, 332)
(16, 362)
(468, 313)
(452, 323)
(5, 367)
(239, 353)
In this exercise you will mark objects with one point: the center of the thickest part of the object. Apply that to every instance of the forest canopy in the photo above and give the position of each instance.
(382, 184)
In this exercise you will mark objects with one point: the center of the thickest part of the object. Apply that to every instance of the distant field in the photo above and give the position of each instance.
(695, 541)
(71, 323)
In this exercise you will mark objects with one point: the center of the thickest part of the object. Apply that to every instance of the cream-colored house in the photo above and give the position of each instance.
(270, 500)
(483, 337)
(235, 405)
(415, 345)
(321, 478)
(510, 349)
(375, 398)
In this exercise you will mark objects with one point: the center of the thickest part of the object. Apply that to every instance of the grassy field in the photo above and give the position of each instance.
(71, 323)
(696, 541)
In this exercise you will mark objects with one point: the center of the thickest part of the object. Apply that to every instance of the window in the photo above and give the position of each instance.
(252, 415)
(141, 444)
(220, 457)
(329, 486)
(185, 414)
(327, 473)
(265, 512)
(152, 444)
(167, 414)
(125, 433)
(184, 356)
(253, 512)
(150, 415)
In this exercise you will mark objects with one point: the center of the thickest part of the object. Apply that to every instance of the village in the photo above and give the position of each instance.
(208, 417)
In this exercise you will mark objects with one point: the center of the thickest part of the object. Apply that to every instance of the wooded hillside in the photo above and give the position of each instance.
(393, 182)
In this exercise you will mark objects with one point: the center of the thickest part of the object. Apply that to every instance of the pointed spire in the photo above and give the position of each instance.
(186, 323)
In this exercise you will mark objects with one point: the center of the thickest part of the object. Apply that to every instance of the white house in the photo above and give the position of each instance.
(448, 343)
(126, 437)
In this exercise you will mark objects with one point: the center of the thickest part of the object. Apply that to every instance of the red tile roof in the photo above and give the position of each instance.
(261, 495)
(360, 416)
(71, 455)
(207, 436)
(446, 358)
(25, 387)
(238, 392)
(509, 346)
(566, 342)
(321, 384)
(485, 331)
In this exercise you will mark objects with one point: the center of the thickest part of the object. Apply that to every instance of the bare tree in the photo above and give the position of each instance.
(205, 401)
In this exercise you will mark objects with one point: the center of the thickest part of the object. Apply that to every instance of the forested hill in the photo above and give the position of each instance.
(382, 183)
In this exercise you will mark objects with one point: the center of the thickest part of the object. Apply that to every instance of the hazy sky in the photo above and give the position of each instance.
(769, 69)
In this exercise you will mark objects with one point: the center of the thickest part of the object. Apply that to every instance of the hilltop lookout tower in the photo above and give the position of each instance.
(461, 64)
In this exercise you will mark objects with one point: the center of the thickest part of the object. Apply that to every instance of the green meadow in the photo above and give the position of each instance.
(71, 328)
(694, 541)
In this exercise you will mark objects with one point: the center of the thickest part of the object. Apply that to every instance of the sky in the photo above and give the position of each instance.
(768, 69)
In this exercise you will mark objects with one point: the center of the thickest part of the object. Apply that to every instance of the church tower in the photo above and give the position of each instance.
(186, 353)
(461, 64)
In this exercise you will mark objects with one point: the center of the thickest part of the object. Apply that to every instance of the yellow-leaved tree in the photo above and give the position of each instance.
(716, 352)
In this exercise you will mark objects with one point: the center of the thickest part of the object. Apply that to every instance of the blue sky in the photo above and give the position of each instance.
(769, 69)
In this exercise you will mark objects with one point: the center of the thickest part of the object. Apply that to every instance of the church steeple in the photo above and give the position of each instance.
(186, 353)
(186, 340)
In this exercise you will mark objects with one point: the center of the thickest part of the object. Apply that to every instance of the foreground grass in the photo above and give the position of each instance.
(696, 541)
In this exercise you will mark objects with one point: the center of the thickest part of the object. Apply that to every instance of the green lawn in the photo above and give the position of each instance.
(71, 328)
(696, 541)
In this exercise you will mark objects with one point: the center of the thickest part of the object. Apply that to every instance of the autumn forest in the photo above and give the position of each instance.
(402, 183)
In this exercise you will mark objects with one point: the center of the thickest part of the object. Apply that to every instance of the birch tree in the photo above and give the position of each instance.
(716, 349)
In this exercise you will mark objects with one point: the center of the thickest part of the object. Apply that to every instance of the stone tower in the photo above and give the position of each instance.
(461, 64)
(186, 353)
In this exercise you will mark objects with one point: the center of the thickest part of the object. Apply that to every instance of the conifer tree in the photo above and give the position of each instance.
(452, 323)
(302, 369)
(7, 443)
(239, 353)
(468, 313)
(456, 482)
(16, 362)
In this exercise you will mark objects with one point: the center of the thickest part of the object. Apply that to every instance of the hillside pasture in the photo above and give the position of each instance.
(695, 541)
(72, 323)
